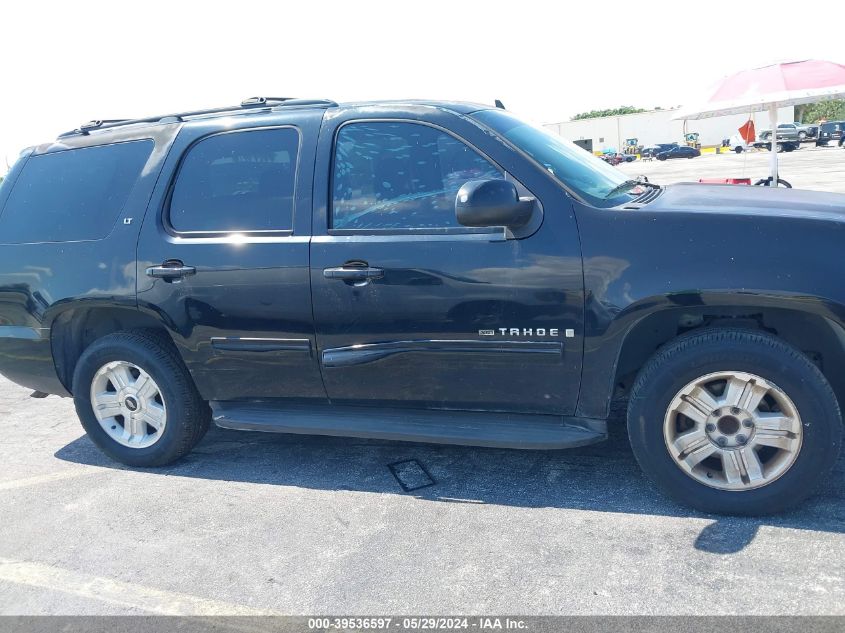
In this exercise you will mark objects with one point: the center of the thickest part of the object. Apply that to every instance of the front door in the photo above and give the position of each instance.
(412, 309)
(223, 260)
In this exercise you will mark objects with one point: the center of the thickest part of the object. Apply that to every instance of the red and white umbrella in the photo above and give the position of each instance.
(770, 88)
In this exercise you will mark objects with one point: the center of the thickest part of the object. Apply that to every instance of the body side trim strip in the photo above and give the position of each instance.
(234, 344)
(23, 332)
(370, 352)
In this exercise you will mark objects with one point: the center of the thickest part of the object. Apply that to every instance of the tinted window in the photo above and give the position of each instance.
(400, 175)
(592, 178)
(75, 194)
(240, 181)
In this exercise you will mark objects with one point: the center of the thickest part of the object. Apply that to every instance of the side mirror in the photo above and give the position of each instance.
(482, 203)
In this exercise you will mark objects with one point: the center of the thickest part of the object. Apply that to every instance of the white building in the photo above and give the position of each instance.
(657, 126)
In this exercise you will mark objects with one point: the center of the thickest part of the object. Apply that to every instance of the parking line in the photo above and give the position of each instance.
(44, 479)
(125, 594)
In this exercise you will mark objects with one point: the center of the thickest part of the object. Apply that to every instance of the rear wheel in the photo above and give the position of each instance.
(734, 422)
(136, 400)
(738, 150)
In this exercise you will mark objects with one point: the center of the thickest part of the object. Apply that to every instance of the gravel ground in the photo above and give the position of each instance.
(257, 523)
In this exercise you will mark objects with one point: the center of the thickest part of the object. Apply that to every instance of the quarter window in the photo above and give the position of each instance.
(237, 182)
(72, 195)
(396, 175)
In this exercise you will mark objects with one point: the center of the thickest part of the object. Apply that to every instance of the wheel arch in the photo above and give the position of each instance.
(77, 326)
(821, 337)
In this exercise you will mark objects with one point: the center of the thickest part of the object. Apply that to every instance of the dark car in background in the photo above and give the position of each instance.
(679, 151)
(830, 131)
(654, 150)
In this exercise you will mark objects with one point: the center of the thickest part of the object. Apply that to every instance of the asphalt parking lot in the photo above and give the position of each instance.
(820, 168)
(258, 523)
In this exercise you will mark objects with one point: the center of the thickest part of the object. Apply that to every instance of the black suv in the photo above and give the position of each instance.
(830, 131)
(423, 271)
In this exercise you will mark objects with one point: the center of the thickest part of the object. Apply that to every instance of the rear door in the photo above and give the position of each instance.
(412, 309)
(223, 255)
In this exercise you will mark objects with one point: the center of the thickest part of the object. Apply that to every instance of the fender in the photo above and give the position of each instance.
(691, 257)
(635, 333)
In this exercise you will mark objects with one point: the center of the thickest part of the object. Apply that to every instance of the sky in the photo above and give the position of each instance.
(69, 62)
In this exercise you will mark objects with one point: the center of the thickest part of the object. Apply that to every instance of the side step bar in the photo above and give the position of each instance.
(468, 428)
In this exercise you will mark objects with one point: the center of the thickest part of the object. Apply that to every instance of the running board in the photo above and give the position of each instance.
(468, 428)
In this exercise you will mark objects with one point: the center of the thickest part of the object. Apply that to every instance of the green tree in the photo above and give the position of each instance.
(595, 114)
(813, 112)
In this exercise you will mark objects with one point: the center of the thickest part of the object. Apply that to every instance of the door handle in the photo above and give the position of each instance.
(353, 273)
(171, 269)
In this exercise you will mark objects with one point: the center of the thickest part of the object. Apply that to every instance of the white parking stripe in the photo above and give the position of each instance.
(45, 479)
(116, 592)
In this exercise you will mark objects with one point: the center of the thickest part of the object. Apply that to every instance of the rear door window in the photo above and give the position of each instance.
(237, 182)
(72, 195)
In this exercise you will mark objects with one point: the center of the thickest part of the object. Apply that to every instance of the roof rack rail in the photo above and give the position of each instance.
(260, 101)
(90, 125)
(252, 102)
(292, 103)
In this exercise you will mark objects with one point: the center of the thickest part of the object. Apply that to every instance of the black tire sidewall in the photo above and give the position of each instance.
(795, 375)
(178, 395)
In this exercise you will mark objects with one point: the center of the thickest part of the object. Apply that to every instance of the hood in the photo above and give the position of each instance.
(750, 201)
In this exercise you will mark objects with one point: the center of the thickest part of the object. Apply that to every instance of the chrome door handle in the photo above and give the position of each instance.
(171, 269)
(353, 273)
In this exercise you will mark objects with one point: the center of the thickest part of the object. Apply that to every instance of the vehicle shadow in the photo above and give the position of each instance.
(600, 478)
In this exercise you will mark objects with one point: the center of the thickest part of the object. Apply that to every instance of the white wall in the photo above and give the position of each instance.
(658, 127)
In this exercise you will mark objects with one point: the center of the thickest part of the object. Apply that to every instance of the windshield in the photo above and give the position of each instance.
(591, 178)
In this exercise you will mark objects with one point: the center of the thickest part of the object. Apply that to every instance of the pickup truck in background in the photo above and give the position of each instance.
(807, 132)
(792, 132)
(786, 132)
(423, 271)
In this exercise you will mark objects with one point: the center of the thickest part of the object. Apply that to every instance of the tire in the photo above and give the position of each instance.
(767, 182)
(738, 150)
(790, 475)
(802, 136)
(169, 400)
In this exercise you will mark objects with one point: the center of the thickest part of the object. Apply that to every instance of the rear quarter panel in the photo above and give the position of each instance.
(39, 281)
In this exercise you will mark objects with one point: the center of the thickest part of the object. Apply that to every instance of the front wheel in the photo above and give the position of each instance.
(136, 400)
(734, 422)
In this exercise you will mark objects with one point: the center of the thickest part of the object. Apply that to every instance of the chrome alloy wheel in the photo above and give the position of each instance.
(733, 431)
(128, 404)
